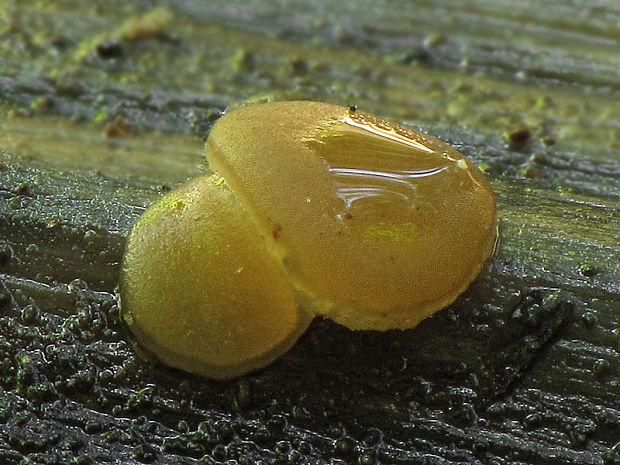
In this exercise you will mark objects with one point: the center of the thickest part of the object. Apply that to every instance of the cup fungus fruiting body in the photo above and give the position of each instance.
(199, 288)
(316, 209)
(377, 225)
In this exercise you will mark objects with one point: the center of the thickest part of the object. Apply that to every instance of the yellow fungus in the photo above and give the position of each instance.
(325, 210)
(199, 288)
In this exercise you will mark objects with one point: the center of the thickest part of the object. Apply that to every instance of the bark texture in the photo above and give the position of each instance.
(104, 106)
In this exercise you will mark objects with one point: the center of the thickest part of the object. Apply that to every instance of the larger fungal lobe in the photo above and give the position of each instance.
(378, 225)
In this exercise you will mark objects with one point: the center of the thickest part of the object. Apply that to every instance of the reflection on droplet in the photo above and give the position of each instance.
(374, 162)
(354, 184)
(383, 129)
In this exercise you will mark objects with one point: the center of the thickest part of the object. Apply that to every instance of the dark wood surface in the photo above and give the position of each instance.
(523, 368)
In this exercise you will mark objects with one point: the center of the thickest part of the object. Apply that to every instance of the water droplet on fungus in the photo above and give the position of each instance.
(399, 224)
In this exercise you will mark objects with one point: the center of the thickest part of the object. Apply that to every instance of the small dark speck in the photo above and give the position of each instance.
(6, 254)
(601, 368)
(588, 270)
(109, 49)
(589, 319)
(520, 136)
(23, 188)
(61, 43)
(277, 229)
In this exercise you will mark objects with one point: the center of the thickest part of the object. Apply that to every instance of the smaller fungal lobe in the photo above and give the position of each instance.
(312, 209)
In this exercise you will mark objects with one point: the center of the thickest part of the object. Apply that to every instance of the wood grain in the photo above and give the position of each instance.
(524, 368)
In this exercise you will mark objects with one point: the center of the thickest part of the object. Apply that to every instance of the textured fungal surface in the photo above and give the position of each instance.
(317, 210)
(200, 289)
(377, 224)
